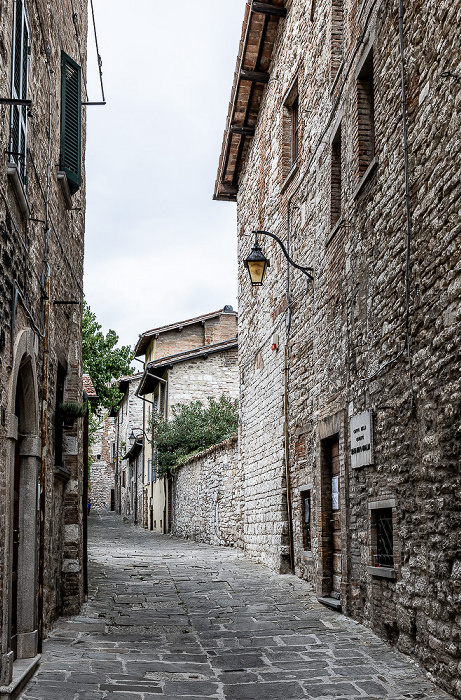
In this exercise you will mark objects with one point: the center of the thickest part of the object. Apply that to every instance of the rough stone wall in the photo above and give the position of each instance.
(102, 467)
(201, 379)
(40, 333)
(345, 337)
(208, 501)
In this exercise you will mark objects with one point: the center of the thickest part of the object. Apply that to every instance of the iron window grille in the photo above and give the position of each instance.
(19, 79)
(384, 538)
(306, 511)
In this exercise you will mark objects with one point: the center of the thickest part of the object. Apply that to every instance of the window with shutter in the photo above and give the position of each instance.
(71, 122)
(19, 71)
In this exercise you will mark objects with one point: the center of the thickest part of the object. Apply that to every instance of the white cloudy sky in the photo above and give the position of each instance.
(158, 249)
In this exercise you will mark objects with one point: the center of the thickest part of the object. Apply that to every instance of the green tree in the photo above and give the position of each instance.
(102, 360)
(193, 428)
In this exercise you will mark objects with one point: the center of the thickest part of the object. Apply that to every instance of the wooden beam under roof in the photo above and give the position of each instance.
(243, 130)
(254, 76)
(267, 9)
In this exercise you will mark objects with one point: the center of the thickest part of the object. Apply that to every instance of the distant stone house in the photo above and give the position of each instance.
(192, 360)
(343, 140)
(128, 421)
(42, 223)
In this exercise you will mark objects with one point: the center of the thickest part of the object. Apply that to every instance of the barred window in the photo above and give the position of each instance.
(306, 516)
(19, 79)
(383, 534)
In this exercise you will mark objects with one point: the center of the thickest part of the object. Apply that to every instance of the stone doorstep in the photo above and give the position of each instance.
(23, 670)
(329, 602)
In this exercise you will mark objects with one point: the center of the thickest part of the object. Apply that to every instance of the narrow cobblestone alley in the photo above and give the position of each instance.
(175, 619)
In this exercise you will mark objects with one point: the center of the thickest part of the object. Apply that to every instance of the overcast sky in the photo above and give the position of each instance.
(158, 249)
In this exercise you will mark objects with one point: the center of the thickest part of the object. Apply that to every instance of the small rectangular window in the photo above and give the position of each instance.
(19, 80)
(365, 115)
(337, 36)
(123, 479)
(290, 130)
(335, 180)
(306, 516)
(294, 131)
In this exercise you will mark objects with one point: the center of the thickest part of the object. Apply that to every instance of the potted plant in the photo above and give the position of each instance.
(70, 410)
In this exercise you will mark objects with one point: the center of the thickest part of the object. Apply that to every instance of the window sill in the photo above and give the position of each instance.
(365, 177)
(290, 176)
(381, 572)
(307, 554)
(334, 231)
(62, 179)
(13, 175)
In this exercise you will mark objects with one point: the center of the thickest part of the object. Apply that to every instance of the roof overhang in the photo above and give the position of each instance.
(154, 371)
(134, 450)
(251, 76)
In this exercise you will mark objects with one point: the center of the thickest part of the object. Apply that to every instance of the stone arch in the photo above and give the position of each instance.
(24, 458)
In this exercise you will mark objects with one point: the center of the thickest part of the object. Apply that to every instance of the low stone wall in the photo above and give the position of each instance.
(208, 497)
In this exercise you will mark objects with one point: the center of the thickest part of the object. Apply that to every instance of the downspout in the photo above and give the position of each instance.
(46, 322)
(86, 421)
(43, 463)
(407, 205)
(286, 375)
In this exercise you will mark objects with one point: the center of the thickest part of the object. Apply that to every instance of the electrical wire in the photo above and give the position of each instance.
(97, 52)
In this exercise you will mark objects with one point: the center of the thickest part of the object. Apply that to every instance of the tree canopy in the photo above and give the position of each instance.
(102, 360)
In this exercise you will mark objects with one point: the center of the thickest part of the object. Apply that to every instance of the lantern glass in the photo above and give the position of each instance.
(132, 438)
(257, 270)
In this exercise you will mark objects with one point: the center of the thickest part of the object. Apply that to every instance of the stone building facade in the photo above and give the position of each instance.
(343, 140)
(193, 360)
(42, 214)
(128, 419)
(207, 498)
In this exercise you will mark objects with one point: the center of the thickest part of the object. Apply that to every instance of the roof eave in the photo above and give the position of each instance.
(261, 18)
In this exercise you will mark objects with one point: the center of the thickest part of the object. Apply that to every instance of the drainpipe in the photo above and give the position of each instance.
(286, 374)
(86, 421)
(43, 464)
(46, 323)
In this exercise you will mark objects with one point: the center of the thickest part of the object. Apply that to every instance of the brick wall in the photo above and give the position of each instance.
(208, 501)
(196, 335)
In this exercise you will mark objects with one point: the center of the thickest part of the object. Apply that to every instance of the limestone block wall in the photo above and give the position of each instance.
(203, 378)
(208, 500)
(344, 346)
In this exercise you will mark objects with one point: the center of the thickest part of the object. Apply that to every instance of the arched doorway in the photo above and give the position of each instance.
(24, 456)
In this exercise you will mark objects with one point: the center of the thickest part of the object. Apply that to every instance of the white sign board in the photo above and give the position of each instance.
(361, 440)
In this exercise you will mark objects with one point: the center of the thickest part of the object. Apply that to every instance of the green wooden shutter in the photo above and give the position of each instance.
(71, 122)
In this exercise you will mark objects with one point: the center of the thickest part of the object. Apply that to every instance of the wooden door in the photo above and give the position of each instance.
(15, 557)
(335, 520)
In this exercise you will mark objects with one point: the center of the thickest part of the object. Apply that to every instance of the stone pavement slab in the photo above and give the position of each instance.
(173, 619)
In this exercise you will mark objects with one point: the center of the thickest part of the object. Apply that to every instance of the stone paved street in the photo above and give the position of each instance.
(174, 619)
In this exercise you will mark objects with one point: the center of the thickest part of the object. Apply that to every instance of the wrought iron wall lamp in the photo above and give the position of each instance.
(257, 263)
